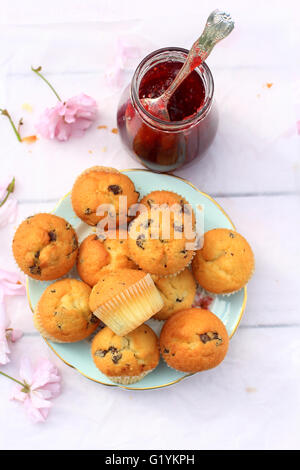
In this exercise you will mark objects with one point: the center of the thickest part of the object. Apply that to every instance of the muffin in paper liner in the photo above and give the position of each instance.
(62, 314)
(125, 299)
(126, 359)
(158, 242)
(178, 293)
(170, 198)
(102, 186)
(45, 246)
(193, 340)
(98, 255)
(225, 263)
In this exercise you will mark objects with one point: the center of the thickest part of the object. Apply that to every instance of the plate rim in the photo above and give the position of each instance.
(186, 375)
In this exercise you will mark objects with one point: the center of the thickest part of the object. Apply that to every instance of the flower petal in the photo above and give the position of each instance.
(44, 374)
(4, 348)
(3, 320)
(8, 212)
(124, 52)
(15, 335)
(63, 131)
(51, 390)
(11, 283)
(38, 401)
(4, 352)
(35, 414)
(49, 120)
(26, 370)
(17, 394)
(65, 119)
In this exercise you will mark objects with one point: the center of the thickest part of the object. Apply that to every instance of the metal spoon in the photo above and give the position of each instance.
(218, 26)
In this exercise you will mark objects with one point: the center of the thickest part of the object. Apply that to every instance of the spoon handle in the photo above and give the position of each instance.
(218, 26)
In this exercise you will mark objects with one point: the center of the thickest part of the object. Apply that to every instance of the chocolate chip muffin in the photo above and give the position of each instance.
(101, 185)
(125, 299)
(45, 246)
(171, 199)
(178, 293)
(63, 314)
(97, 256)
(193, 340)
(158, 242)
(126, 359)
(225, 263)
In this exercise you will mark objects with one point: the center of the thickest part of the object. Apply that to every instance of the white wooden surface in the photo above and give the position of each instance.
(252, 399)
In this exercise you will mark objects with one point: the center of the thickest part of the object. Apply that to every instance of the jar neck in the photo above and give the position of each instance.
(175, 54)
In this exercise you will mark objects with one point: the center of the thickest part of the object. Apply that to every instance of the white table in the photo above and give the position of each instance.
(252, 169)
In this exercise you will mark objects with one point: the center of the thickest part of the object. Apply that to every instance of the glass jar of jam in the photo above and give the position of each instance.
(160, 145)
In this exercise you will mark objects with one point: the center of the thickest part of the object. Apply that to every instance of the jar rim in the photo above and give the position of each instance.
(202, 69)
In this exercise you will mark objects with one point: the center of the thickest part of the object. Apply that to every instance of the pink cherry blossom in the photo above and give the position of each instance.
(8, 211)
(41, 384)
(69, 118)
(7, 335)
(10, 284)
(125, 51)
(4, 348)
(12, 334)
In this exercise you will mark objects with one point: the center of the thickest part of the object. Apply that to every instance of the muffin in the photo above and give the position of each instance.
(126, 359)
(225, 263)
(193, 340)
(63, 314)
(178, 293)
(97, 256)
(169, 198)
(45, 246)
(125, 299)
(158, 242)
(101, 185)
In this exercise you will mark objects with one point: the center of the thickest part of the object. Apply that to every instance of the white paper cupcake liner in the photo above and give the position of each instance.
(132, 307)
(127, 379)
(182, 269)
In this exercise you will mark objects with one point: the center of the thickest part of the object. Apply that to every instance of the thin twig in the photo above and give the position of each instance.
(37, 71)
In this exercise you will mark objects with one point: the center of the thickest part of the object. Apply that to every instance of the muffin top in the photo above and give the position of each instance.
(225, 263)
(129, 355)
(178, 293)
(166, 197)
(63, 311)
(101, 185)
(193, 340)
(158, 243)
(113, 283)
(97, 256)
(45, 246)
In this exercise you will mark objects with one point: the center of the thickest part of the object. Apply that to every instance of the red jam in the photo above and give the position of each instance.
(188, 97)
(166, 145)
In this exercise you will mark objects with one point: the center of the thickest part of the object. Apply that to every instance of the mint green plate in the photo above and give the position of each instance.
(229, 309)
